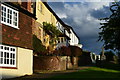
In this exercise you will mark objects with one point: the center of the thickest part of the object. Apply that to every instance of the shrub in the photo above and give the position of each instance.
(63, 51)
(68, 51)
(109, 55)
(38, 48)
(75, 51)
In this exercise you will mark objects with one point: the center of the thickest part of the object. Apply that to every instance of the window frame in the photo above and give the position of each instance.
(12, 17)
(12, 58)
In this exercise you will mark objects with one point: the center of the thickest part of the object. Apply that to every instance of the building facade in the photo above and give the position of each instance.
(16, 54)
(19, 22)
(43, 14)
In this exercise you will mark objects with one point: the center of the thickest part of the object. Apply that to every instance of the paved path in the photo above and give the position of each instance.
(49, 74)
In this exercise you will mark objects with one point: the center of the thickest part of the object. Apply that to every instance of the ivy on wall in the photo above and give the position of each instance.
(38, 47)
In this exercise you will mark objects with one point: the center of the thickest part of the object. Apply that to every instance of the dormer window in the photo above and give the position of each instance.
(9, 16)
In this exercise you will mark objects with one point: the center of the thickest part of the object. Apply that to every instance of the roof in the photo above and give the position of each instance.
(67, 27)
(63, 24)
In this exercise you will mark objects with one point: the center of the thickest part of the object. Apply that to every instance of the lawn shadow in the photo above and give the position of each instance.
(108, 65)
(93, 72)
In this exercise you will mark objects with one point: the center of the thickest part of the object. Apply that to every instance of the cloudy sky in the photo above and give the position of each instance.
(83, 17)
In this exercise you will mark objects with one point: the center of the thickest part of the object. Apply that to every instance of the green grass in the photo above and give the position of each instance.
(92, 72)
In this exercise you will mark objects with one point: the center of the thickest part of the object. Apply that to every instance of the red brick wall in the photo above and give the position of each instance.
(53, 63)
(21, 37)
(26, 5)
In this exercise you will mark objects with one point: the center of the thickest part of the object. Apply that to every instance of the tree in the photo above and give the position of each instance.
(109, 55)
(75, 51)
(110, 33)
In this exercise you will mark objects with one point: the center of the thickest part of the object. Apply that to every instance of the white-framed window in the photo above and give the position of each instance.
(7, 56)
(9, 16)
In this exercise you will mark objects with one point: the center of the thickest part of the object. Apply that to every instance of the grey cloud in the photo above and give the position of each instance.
(58, 7)
(91, 44)
(101, 13)
(83, 17)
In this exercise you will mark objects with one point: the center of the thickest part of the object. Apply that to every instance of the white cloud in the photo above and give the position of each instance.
(85, 24)
(80, 14)
(99, 0)
(62, 15)
(98, 5)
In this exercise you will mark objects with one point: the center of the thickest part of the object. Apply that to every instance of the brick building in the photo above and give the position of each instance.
(16, 54)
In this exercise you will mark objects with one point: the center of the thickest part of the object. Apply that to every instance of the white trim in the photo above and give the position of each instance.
(10, 52)
(6, 23)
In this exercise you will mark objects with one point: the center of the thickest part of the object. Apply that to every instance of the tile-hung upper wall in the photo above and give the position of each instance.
(20, 36)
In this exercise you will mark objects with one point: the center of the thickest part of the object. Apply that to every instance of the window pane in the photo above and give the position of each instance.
(13, 49)
(13, 56)
(15, 19)
(11, 61)
(1, 47)
(3, 15)
(5, 48)
(1, 60)
(10, 55)
(7, 20)
(9, 16)
(7, 55)
(7, 61)
(1, 54)
(4, 19)
(2, 7)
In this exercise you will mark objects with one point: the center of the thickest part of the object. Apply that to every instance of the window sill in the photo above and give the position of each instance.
(10, 26)
(9, 67)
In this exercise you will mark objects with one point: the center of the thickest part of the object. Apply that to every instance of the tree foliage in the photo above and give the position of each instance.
(110, 33)
(109, 55)
(50, 29)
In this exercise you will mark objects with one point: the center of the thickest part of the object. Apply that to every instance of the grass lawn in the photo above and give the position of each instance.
(92, 72)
